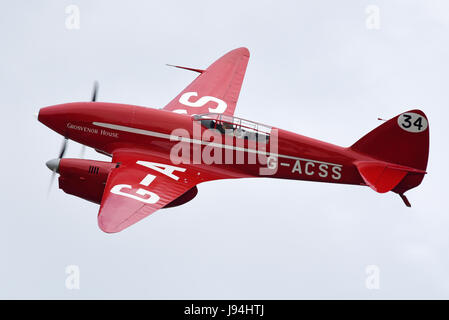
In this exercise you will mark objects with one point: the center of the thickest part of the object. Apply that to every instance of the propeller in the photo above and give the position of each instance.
(93, 99)
(94, 91)
(53, 164)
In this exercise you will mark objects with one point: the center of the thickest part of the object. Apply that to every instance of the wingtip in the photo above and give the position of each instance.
(107, 228)
(244, 50)
(111, 225)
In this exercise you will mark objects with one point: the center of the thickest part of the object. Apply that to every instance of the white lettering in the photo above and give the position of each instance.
(297, 167)
(184, 99)
(336, 173)
(323, 170)
(152, 199)
(162, 168)
(308, 172)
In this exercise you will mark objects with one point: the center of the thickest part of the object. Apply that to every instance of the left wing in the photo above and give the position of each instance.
(216, 89)
(141, 185)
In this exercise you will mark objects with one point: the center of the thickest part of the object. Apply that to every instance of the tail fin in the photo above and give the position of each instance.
(399, 150)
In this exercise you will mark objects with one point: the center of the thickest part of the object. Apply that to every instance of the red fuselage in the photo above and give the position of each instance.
(107, 127)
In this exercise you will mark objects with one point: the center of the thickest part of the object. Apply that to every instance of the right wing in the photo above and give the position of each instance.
(216, 89)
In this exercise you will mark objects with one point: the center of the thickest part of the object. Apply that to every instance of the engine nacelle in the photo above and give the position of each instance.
(87, 179)
(84, 178)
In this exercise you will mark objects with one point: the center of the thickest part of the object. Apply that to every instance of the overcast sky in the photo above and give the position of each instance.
(318, 68)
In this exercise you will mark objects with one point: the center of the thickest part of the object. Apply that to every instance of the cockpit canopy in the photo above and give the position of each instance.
(237, 127)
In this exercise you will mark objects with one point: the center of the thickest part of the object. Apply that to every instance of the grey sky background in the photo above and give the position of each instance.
(315, 69)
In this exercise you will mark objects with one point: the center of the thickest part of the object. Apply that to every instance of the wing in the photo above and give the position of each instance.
(216, 89)
(141, 185)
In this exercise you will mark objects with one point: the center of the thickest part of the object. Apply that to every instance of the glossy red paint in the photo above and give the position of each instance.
(147, 145)
(84, 178)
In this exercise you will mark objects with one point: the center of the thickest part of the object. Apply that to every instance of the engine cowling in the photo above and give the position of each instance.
(87, 179)
(84, 178)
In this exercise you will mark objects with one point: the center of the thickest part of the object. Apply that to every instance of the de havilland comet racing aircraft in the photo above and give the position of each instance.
(159, 156)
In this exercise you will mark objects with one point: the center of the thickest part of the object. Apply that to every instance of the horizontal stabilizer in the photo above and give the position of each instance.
(383, 176)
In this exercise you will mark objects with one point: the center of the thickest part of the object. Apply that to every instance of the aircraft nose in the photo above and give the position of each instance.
(56, 117)
(53, 165)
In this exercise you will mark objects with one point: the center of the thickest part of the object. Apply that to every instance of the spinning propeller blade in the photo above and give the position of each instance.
(94, 98)
(53, 165)
(94, 91)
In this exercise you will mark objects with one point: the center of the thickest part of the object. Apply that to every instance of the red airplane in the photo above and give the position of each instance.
(159, 156)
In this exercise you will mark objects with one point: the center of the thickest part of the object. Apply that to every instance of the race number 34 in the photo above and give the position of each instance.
(412, 122)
